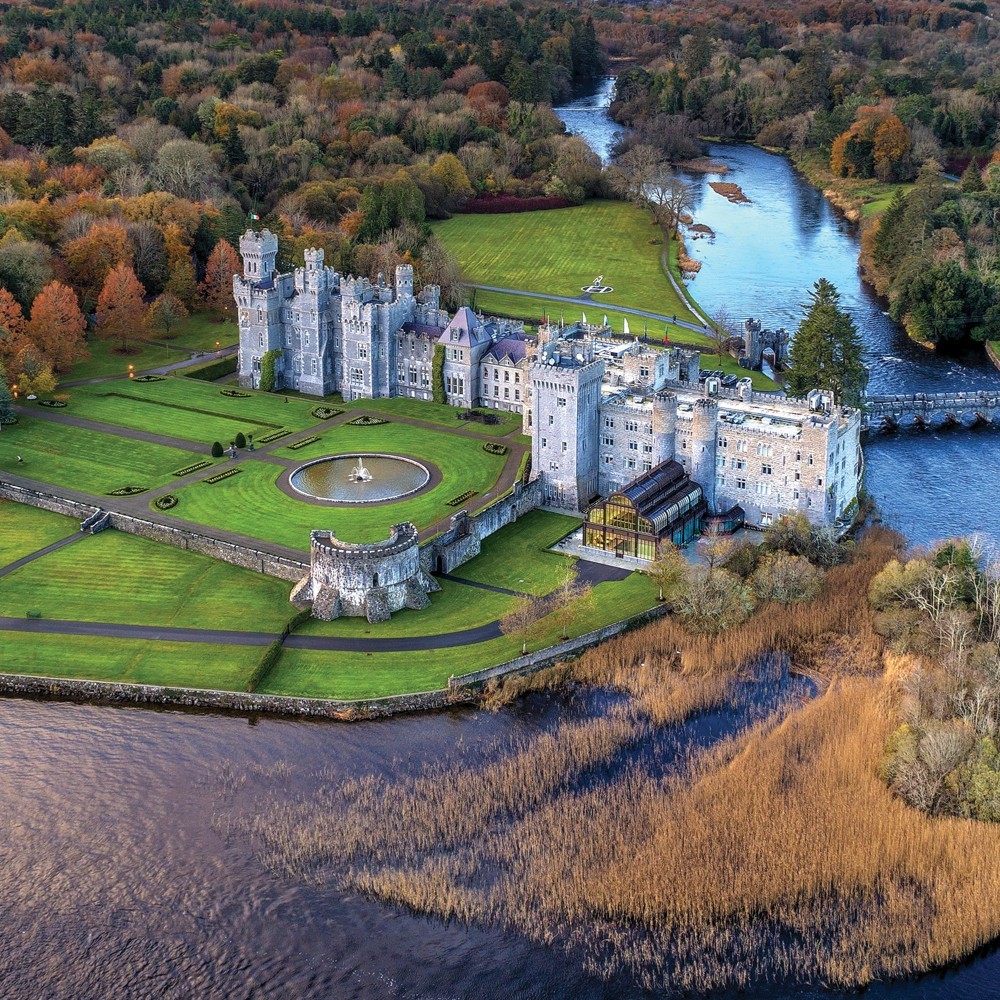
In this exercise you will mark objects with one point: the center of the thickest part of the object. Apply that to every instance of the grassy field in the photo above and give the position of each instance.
(114, 577)
(170, 664)
(560, 252)
(87, 460)
(457, 607)
(515, 558)
(199, 332)
(318, 674)
(868, 196)
(437, 413)
(187, 409)
(251, 504)
(24, 530)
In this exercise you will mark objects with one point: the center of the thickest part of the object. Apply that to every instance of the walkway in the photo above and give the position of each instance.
(24, 560)
(580, 301)
(194, 358)
(229, 637)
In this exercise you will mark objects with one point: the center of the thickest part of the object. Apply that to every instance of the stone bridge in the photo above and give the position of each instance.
(931, 409)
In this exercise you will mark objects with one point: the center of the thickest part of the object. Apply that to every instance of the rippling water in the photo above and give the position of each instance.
(762, 261)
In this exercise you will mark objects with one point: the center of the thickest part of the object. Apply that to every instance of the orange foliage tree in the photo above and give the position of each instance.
(12, 326)
(180, 269)
(876, 145)
(121, 313)
(217, 288)
(57, 326)
(91, 257)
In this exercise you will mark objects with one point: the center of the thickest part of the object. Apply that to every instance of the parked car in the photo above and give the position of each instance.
(703, 374)
(730, 380)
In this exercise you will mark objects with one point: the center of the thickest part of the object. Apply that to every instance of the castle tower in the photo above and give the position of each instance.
(664, 427)
(704, 429)
(259, 252)
(404, 280)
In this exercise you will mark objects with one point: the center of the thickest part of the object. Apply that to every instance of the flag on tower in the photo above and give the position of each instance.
(626, 329)
(254, 217)
(584, 317)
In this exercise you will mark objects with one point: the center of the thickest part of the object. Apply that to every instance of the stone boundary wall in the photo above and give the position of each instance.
(554, 654)
(461, 542)
(239, 555)
(46, 501)
(110, 693)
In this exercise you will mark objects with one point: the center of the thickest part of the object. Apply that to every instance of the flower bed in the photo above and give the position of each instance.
(149, 378)
(188, 469)
(52, 402)
(127, 491)
(165, 502)
(219, 476)
(235, 393)
(366, 420)
(295, 445)
(461, 498)
(495, 449)
(325, 412)
(268, 438)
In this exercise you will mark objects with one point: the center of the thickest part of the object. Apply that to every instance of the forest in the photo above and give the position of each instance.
(140, 136)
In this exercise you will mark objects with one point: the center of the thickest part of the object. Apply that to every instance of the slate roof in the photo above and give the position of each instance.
(508, 347)
(465, 330)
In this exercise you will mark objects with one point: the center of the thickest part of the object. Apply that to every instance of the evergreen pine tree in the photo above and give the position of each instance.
(972, 179)
(827, 350)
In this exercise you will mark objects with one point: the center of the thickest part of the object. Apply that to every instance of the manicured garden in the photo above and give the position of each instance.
(250, 503)
(438, 413)
(560, 252)
(88, 460)
(188, 409)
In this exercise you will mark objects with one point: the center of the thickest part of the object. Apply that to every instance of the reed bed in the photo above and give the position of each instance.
(776, 855)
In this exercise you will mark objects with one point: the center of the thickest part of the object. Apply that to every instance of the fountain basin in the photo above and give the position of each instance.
(392, 477)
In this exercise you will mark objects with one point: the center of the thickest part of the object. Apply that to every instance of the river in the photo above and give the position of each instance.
(119, 879)
(761, 262)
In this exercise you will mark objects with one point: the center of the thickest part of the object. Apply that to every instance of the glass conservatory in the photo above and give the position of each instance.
(661, 504)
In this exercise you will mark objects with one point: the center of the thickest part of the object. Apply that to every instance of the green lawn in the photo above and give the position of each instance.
(251, 504)
(25, 529)
(319, 674)
(515, 557)
(187, 409)
(169, 664)
(437, 413)
(87, 460)
(456, 608)
(114, 577)
(560, 252)
(199, 332)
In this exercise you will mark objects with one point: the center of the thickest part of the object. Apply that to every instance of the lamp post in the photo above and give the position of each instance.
(131, 371)
(217, 352)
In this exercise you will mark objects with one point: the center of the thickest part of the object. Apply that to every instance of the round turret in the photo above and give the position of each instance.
(704, 428)
(664, 427)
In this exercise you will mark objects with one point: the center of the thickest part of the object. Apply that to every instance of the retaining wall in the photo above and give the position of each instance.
(554, 654)
(47, 501)
(105, 692)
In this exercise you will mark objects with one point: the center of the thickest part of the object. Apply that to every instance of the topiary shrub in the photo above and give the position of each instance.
(268, 363)
(217, 451)
(241, 440)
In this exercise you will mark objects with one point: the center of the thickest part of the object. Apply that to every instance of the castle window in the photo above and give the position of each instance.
(797, 477)
(496, 390)
(362, 351)
(260, 341)
(517, 378)
(314, 366)
(565, 446)
(630, 463)
(810, 460)
(609, 459)
(400, 373)
(646, 466)
(644, 371)
(741, 483)
(506, 376)
(632, 425)
(517, 394)
(720, 462)
(741, 446)
(723, 442)
(765, 520)
(798, 456)
(609, 441)
(819, 480)
(739, 463)
(763, 489)
(765, 469)
(552, 420)
(560, 401)
(357, 376)
(795, 494)
(545, 442)
(553, 466)
(260, 314)
(413, 375)
(307, 340)
(633, 446)
(647, 449)
(609, 422)
(765, 450)
(506, 392)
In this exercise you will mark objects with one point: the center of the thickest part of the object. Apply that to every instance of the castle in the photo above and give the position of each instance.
(633, 436)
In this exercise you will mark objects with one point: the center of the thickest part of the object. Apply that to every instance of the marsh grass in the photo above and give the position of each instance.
(775, 855)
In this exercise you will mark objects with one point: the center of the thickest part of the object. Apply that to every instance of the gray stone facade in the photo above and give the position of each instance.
(370, 579)
(602, 415)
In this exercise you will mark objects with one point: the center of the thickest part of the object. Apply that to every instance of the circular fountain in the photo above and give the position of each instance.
(360, 478)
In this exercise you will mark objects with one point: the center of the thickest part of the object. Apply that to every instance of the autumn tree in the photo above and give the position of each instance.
(92, 256)
(121, 313)
(57, 326)
(180, 268)
(217, 288)
(667, 569)
(165, 314)
(32, 373)
(571, 598)
(12, 326)
(522, 621)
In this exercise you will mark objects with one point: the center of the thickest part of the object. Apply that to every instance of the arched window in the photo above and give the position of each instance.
(375, 580)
